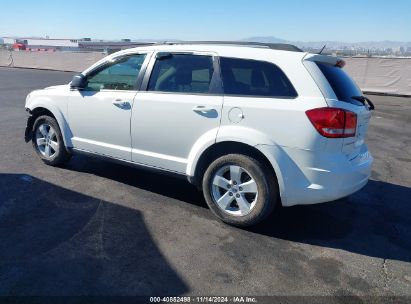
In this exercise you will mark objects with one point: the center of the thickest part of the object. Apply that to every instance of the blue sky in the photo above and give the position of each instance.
(314, 20)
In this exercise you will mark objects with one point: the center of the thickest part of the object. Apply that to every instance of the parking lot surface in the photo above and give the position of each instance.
(98, 228)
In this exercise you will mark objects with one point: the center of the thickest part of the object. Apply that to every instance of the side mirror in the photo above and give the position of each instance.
(78, 82)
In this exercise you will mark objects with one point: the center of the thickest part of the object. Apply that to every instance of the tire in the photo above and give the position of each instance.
(253, 184)
(46, 132)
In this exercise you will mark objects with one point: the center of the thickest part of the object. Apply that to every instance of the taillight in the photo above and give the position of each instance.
(333, 122)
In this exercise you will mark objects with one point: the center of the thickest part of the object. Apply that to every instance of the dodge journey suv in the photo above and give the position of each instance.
(253, 126)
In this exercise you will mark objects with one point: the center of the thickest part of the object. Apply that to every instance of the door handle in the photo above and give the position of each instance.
(203, 109)
(121, 104)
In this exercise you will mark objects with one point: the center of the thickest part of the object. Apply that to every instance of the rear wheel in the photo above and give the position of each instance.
(48, 141)
(240, 190)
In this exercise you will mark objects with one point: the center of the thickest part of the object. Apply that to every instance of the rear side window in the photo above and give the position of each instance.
(182, 73)
(341, 83)
(255, 78)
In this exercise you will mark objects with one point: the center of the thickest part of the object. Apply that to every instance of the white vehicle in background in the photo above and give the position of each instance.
(252, 125)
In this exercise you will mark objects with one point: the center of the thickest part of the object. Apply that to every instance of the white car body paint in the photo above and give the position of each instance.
(53, 99)
(161, 130)
(169, 118)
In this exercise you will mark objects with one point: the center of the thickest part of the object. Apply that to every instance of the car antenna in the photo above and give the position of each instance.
(322, 49)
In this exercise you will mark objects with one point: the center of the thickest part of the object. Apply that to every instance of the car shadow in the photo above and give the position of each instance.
(375, 221)
(56, 242)
(170, 186)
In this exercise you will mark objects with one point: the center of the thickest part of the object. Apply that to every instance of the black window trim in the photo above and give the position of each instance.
(216, 88)
(258, 96)
(108, 63)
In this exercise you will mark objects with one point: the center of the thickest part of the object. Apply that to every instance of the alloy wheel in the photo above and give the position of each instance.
(46, 140)
(234, 190)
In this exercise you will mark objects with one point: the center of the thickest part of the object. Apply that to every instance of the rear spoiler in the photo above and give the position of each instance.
(325, 59)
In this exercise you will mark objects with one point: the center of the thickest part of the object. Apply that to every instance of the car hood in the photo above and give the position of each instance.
(57, 87)
(49, 90)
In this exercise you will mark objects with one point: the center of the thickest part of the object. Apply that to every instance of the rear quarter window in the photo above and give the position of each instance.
(341, 83)
(255, 78)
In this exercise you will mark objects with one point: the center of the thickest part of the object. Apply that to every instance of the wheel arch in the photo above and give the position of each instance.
(53, 112)
(232, 147)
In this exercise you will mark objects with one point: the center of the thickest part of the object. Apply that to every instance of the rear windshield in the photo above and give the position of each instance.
(342, 84)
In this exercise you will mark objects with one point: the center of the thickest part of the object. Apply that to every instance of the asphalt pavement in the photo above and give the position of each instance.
(99, 228)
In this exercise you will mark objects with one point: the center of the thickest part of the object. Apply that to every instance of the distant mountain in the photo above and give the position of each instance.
(265, 40)
(333, 44)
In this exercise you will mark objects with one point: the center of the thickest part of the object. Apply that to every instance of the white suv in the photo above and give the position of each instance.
(252, 125)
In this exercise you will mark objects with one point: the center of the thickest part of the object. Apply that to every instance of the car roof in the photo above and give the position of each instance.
(273, 46)
(260, 52)
(228, 49)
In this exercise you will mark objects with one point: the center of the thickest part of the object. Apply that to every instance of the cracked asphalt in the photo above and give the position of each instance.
(98, 228)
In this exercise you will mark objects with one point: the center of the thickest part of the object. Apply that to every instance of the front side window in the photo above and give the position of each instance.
(255, 78)
(182, 73)
(119, 75)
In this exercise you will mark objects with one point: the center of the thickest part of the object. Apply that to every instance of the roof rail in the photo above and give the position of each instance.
(273, 46)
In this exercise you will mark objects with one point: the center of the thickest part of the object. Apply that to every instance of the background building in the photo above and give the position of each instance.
(42, 43)
(82, 44)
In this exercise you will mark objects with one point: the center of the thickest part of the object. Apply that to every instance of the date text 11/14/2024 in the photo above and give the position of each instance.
(203, 299)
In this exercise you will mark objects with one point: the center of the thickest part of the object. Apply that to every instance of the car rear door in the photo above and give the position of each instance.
(180, 104)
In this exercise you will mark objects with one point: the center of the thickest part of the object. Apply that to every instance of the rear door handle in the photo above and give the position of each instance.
(203, 109)
(121, 104)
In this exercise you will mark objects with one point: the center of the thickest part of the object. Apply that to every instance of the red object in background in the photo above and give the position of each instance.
(19, 46)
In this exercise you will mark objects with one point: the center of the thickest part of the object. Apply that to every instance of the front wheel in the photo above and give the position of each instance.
(48, 141)
(240, 190)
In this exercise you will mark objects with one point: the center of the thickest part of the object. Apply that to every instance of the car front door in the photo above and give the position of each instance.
(99, 115)
(179, 103)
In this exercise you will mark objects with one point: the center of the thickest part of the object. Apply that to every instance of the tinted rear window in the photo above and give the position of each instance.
(255, 78)
(342, 84)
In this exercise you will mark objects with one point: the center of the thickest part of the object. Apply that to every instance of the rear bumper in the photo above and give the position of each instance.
(308, 177)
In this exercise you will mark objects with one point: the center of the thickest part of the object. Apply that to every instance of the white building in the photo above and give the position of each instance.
(8, 40)
(42, 42)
